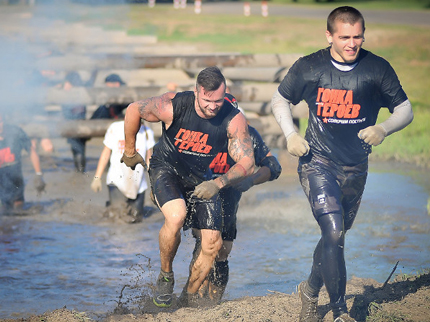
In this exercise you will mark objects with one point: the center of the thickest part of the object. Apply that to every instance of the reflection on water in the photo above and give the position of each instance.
(49, 265)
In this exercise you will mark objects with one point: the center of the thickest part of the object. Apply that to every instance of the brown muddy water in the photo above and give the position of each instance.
(63, 252)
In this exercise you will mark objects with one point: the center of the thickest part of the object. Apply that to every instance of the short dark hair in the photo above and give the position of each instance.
(114, 78)
(344, 14)
(210, 78)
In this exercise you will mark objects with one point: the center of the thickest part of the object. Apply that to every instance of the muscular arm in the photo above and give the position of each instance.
(269, 170)
(241, 151)
(154, 109)
(262, 175)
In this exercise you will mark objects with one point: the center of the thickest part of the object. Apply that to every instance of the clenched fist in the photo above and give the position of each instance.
(296, 145)
(373, 135)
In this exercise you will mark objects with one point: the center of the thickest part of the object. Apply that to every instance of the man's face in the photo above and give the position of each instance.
(208, 104)
(113, 84)
(346, 41)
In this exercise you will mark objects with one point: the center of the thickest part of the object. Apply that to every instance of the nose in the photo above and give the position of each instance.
(352, 42)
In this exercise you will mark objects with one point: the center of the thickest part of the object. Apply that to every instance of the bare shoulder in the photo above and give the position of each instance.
(237, 126)
(157, 108)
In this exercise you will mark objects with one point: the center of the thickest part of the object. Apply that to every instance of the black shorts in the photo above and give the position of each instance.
(11, 185)
(230, 198)
(332, 188)
(168, 185)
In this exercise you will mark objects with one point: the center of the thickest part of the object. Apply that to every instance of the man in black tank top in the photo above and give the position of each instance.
(344, 86)
(196, 125)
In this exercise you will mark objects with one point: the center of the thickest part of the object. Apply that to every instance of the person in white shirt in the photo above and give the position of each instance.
(126, 187)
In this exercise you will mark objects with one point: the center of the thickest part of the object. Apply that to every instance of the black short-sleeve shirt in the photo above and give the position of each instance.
(341, 103)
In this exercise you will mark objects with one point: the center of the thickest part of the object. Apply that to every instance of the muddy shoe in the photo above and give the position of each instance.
(309, 306)
(215, 293)
(218, 279)
(191, 300)
(163, 293)
(344, 318)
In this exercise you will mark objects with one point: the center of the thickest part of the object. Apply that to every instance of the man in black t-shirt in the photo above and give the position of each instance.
(344, 86)
(195, 127)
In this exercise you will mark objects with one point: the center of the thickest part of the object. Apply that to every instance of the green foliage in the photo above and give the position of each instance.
(377, 314)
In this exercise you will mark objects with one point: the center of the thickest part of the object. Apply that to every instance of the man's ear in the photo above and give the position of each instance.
(329, 37)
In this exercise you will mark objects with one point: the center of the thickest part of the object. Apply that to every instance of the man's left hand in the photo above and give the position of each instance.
(206, 190)
(373, 135)
(39, 184)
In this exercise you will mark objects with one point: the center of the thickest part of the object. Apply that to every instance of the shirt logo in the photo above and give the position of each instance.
(6, 156)
(219, 163)
(336, 106)
(192, 141)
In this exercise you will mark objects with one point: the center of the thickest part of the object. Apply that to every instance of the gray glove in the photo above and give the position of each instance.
(296, 145)
(206, 190)
(39, 184)
(373, 135)
(131, 162)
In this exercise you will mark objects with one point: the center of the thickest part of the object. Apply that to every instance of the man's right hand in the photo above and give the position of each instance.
(296, 145)
(132, 161)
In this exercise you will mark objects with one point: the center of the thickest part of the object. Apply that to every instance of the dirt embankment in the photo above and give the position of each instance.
(404, 299)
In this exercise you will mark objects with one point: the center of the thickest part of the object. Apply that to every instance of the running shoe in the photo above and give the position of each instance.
(309, 306)
(163, 293)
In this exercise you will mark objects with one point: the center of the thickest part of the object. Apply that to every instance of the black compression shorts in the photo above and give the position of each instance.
(332, 188)
(167, 185)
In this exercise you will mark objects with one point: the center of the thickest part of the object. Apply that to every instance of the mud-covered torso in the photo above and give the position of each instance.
(341, 103)
(190, 143)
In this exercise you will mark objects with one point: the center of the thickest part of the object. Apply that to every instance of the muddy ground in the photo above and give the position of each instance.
(406, 298)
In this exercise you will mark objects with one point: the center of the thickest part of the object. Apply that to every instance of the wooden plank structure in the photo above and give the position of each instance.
(252, 86)
(146, 66)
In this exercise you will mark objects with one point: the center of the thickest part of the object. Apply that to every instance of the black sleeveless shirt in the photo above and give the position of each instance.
(190, 143)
